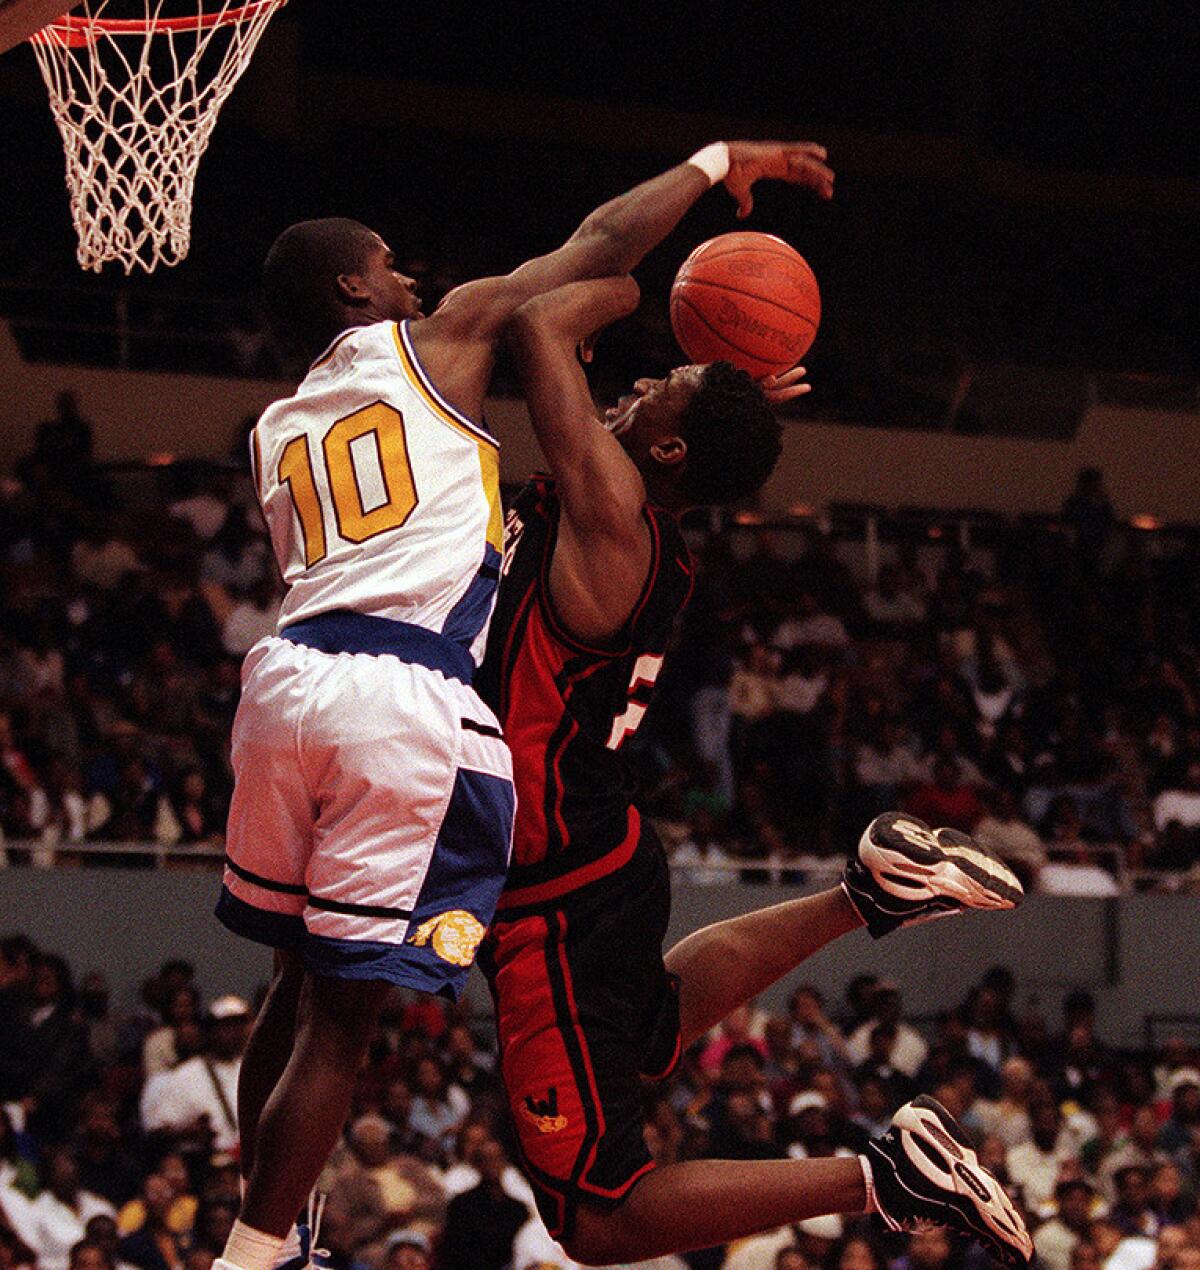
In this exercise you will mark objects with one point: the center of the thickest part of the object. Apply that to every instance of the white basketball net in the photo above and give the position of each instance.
(136, 102)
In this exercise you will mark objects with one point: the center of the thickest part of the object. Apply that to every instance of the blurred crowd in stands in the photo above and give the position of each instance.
(1042, 692)
(119, 1144)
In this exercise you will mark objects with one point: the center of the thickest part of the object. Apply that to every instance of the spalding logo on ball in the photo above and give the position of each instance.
(746, 298)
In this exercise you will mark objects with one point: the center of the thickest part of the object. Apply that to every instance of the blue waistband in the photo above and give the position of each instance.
(343, 631)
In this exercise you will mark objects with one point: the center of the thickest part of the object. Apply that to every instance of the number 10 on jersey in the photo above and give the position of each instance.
(384, 425)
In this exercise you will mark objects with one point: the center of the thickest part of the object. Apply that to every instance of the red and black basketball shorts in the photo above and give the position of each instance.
(586, 1013)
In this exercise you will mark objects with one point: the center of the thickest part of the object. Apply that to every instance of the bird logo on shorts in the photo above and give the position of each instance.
(455, 935)
(544, 1113)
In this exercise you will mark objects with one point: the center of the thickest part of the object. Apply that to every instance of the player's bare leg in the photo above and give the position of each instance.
(728, 963)
(903, 873)
(702, 1203)
(305, 1112)
(269, 1049)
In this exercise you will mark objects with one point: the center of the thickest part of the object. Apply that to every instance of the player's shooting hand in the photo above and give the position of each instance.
(784, 387)
(797, 162)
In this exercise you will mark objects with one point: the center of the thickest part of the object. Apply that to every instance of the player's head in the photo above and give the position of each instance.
(702, 435)
(323, 276)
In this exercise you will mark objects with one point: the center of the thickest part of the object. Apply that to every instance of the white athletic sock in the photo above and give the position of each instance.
(868, 1181)
(249, 1249)
(291, 1247)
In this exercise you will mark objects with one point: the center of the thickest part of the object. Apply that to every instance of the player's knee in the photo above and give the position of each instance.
(339, 1014)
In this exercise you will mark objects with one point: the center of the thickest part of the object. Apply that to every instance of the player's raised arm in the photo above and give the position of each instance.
(457, 342)
(602, 552)
(618, 234)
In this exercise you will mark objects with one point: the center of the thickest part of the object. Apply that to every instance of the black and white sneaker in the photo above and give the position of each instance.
(926, 1173)
(904, 873)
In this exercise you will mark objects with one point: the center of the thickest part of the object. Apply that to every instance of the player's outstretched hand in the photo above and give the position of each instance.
(797, 162)
(783, 387)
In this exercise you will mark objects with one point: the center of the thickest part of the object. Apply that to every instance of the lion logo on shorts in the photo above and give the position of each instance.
(455, 935)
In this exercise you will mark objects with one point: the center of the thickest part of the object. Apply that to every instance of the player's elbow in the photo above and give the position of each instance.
(611, 248)
(528, 326)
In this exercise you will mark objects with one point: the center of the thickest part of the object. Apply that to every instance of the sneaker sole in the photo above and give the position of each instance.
(905, 855)
(944, 1155)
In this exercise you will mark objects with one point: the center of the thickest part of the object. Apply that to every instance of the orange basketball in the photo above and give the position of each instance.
(746, 298)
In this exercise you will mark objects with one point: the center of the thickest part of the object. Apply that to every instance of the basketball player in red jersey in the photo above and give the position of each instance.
(596, 573)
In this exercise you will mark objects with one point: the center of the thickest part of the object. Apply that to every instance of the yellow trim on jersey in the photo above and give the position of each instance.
(488, 448)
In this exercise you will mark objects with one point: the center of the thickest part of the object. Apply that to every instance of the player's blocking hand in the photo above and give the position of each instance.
(797, 162)
(786, 386)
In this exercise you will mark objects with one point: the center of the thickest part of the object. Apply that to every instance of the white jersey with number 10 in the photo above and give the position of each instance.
(379, 496)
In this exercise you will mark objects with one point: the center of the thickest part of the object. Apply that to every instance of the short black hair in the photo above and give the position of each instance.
(300, 277)
(733, 438)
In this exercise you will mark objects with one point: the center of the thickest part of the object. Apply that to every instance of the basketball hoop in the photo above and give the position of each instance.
(136, 100)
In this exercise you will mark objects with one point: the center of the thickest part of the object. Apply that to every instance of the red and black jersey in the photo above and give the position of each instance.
(566, 708)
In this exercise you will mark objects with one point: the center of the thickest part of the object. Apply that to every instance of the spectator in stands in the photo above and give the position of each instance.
(160, 1051)
(438, 1108)
(702, 853)
(54, 1221)
(193, 1105)
(101, 557)
(945, 800)
(1089, 511)
(466, 1173)
(1170, 1201)
(893, 602)
(106, 1167)
(879, 1064)
(1132, 1212)
(1035, 1165)
(15, 1169)
(1184, 1088)
(1180, 804)
(886, 766)
(181, 1211)
(1007, 1118)
(154, 1245)
(375, 1192)
(238, 558)
(199, 815)
(136, 811)
(57, 1053)
(813, 1032)
(1141, 1150)
(1003, 831)
(1055, 1239)
(66, 823)
(928, 1249)
(482, 1223)
(201, 502)
(251, 618)
(908, 1049)
(1071, 870)
(810, 623)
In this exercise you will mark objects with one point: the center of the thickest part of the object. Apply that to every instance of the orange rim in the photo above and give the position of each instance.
(75, 32)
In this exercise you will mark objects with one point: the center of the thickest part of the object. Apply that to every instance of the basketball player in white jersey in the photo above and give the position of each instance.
(372, 813)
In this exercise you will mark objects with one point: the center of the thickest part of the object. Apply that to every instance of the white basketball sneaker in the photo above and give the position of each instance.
(905, 873)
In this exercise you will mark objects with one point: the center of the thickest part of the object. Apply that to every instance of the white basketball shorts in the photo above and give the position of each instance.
(371, 821)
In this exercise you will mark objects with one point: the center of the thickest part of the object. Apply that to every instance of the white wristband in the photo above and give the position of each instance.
(713, 161)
